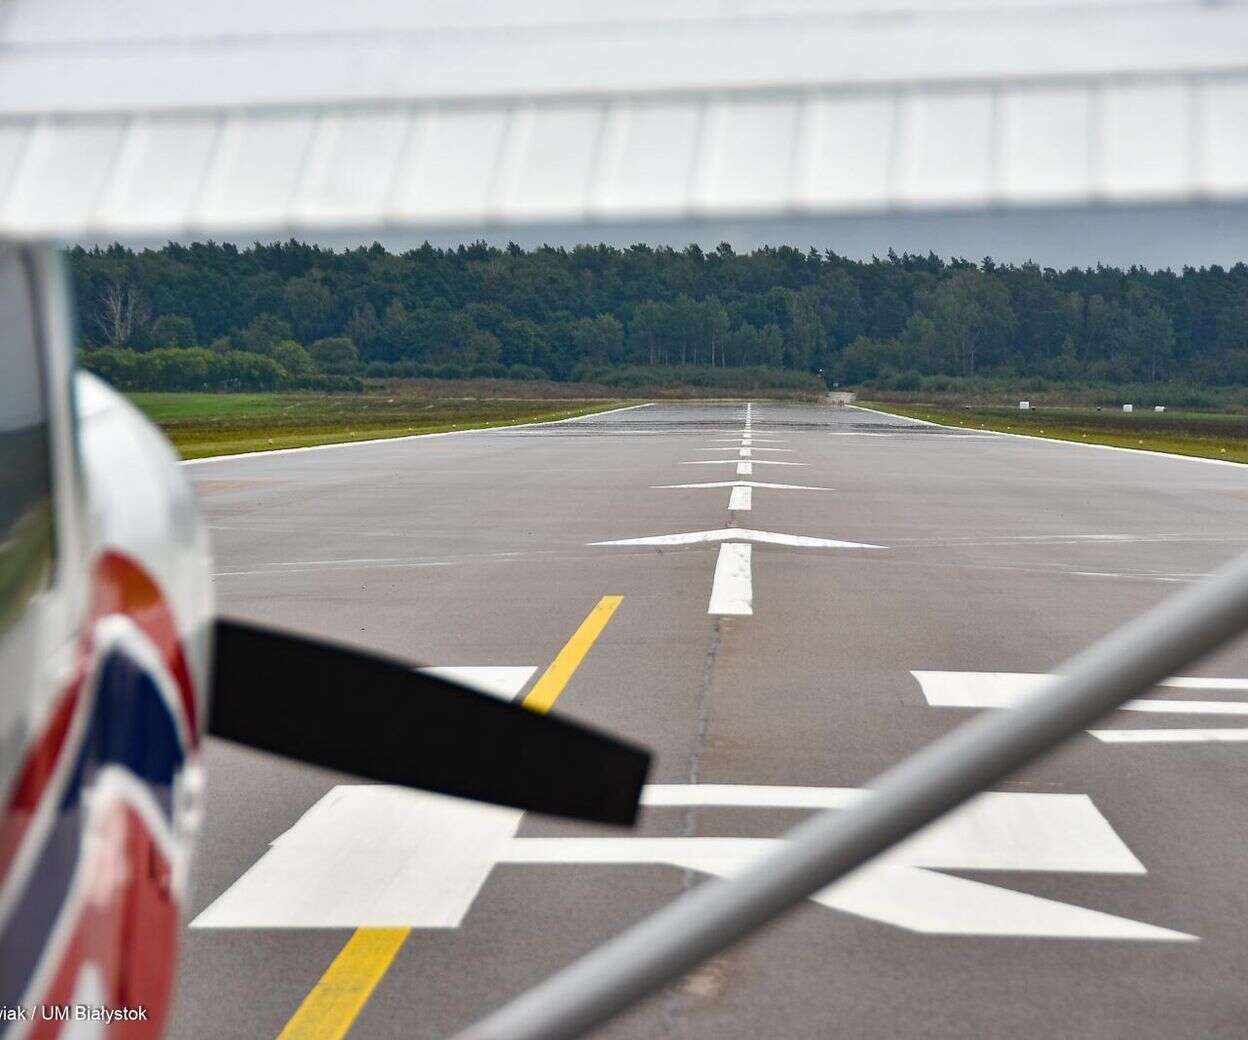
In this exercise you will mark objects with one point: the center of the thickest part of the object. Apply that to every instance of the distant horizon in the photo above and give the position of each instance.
(1153, 237)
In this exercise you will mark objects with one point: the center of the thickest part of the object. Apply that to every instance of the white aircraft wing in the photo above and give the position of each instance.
(144, 119)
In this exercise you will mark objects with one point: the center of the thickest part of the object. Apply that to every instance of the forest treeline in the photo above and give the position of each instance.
(297, 314)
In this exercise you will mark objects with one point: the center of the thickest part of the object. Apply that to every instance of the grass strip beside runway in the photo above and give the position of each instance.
(1201, 434)
(205, 424)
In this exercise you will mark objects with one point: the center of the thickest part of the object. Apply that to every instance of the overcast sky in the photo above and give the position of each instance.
(1152, 237)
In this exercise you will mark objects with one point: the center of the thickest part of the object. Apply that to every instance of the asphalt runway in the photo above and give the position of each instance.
(1102, 893)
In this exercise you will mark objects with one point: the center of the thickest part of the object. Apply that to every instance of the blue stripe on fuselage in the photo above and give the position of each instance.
(130, 726)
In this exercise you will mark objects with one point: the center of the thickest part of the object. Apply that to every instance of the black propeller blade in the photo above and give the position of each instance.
(359, 713)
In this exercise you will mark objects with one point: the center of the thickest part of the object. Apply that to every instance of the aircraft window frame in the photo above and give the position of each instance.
(39, 537)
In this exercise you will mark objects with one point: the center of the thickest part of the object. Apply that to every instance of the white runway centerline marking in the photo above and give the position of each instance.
(745, 469)
(742, 498)
(374, 855)
(732, 592)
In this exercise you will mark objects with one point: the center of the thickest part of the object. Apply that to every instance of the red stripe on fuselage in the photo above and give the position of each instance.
(123, 587)
(127, 932)
(120, 586)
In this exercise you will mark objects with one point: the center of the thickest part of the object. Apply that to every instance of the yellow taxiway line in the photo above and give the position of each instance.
(548, 688)
(330, 1009)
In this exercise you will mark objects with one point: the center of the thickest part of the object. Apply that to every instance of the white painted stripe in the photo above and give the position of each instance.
(1188, 707)
(742, 498)
(397, 440)
(939, 904)
(370, 855)
(995, 830)
(943, 440)
(992, 832)
(746, 447)
(741, 534)
(1197, 682)
(729, 462)
(753, 796)
(1055, 440)
(1008, 689)
(1171, 736)
(745, 469)
(1131, 577)
(733, 589)
(501, 681)
(387, 856)
(745, 453)
(744, 483)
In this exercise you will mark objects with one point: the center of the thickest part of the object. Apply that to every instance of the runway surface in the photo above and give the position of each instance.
(770, 660)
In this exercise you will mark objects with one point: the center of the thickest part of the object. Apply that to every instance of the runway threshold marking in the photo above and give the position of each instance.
(334, 1003)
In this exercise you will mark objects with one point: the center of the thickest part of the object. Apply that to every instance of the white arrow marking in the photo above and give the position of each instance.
(745, 483)
(742, 498)
(373, 855)
(732, 592)
(738, 534)
(729, 462)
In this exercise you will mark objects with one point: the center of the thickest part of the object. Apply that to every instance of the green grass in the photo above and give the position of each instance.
(200, 425)
(1203, 434)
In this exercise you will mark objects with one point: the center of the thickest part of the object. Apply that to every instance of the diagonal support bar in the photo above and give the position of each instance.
(944, 774)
